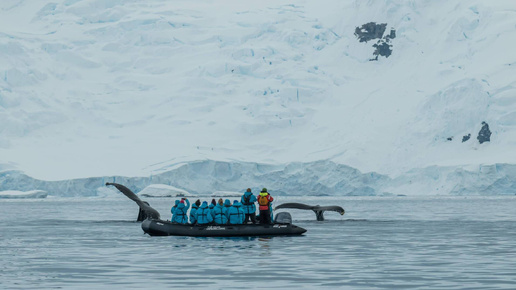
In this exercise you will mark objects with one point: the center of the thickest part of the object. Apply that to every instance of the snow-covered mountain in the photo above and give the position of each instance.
(98, 88)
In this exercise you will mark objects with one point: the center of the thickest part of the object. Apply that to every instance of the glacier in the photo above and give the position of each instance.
(154, 92)
(320, 178)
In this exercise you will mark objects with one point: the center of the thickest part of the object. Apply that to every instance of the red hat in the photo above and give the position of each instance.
(182, 201)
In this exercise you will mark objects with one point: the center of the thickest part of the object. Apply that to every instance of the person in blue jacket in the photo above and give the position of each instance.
(227, 204)
(203, 214)
(181, 213)
(212, 204)
(236, 214)
(220, 213)
(195, 206)
(174, 208)
(248, 200)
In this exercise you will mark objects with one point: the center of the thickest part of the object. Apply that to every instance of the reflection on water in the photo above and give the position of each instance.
(386, 243)
(265, 247)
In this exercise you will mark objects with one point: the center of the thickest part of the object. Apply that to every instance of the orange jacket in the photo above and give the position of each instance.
(265, 206)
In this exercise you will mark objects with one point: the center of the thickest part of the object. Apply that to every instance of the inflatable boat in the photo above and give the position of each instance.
(155, 227)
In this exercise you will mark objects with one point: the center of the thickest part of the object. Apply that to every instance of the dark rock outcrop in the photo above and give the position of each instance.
(383, 49)
(372, 30)
(485, 134)
(466, 138)
(392, 35)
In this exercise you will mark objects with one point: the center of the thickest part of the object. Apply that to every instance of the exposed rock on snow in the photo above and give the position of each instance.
(382, 49)
(484, 135)
(372, 30)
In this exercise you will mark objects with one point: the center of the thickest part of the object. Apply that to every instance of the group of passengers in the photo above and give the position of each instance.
(225, 212)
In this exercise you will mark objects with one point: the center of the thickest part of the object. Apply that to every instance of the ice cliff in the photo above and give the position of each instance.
(315, 178)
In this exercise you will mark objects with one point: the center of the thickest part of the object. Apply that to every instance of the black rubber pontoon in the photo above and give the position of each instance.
(318, 210)
(155, 227)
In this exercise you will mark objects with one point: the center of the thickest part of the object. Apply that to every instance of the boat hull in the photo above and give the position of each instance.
(155, 227)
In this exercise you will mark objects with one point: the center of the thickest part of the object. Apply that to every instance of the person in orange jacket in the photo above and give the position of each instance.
(264, 200)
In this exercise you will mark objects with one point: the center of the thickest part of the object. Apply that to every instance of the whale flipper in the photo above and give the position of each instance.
(318, 210)
(146, 211)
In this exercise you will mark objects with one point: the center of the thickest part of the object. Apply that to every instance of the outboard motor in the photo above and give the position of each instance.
(283, 218)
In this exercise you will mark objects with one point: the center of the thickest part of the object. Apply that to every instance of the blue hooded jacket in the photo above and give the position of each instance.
(220, 215)
(192, 213)
(236, 214)
(174, 208)
(248, 200)
(203, 214)
(211, 206)
(180, 214)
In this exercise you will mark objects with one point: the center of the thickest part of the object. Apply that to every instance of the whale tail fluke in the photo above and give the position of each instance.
(146, 211)
(318, 210)
(141, 213)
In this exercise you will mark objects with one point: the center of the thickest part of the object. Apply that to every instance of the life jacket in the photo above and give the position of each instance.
(202, 212)
(192, 213)
(236, 210)
(237, 213)
(182, 214)
(219, 215)
(247, 199)
(263, 200)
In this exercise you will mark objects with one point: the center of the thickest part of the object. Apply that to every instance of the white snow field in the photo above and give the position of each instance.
(162, 190)
(103, 88)
(10, 194)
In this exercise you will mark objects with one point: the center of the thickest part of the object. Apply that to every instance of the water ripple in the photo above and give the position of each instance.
(90, 245)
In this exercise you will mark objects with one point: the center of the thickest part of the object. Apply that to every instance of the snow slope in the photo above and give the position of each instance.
(130, 88)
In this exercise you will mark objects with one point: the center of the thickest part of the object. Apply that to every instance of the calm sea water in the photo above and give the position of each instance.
(380, 243)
